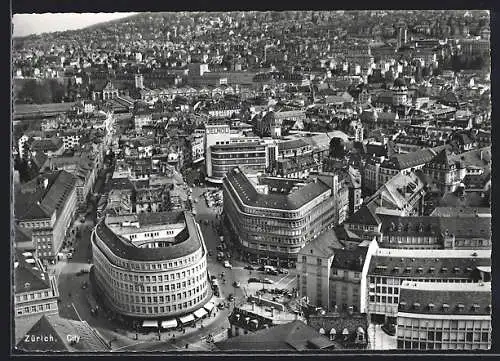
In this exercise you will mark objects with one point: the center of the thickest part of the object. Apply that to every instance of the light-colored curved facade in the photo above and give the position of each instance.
(162, 274)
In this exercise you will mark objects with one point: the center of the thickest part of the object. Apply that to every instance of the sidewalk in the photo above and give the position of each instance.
(125, 338)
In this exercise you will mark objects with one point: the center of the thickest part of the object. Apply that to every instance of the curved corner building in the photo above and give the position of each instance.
(273, 218)
(151, 264)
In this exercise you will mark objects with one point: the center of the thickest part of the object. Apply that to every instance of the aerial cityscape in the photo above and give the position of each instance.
(280, 181)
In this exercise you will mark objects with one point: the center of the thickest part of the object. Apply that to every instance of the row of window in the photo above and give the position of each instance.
(161, 288)
(397, 281)
(35, 309)
(415, 345)
(163, 309)
(33, 296)
(384, 299)
(160, 299)
(429, 323)
(468, 336)
(197, 273)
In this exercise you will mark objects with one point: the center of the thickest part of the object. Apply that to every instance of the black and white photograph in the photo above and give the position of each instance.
(277, 182)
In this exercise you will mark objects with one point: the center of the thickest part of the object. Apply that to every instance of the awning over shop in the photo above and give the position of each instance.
(209, 306)
(187, 318)
(200, 313)
(149, 323)
(169, 324)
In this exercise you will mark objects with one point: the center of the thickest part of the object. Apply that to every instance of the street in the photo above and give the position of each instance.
(74, 304)
(238, 272)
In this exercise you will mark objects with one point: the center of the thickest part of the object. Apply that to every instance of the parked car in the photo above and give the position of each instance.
(69, 255)
(84, 285)
(250, 267)
(227, 265)
(272, 272)
(389, 329)
(261, 268)
(236, 284)
(253, 279)
(282, 271)
(267, 281)
(212, 277)
(230, 298)
(210, 253)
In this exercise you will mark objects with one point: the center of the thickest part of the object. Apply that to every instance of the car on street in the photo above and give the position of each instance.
(227, 265)
(272, 272)
(253, 279)
(250, 267)
(236, 284)
(69, 255)
(389, 329)
(230, 298)
(261, 268)
(212, 277)
(267, 281)
(210, 253)
(282, 271)
(84, 285)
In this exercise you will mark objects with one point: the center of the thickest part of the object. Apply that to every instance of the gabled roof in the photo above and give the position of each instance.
(325, 245)
(40, 202)
(28, 276)
(48, 340)
(293, 336)
(350, 259)
(445, 299)
(364, 216)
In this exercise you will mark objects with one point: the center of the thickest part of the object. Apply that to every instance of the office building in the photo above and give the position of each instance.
(273, 218)
(151, 265)
(451, 316)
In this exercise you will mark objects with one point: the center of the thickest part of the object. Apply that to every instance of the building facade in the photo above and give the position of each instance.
(35, 292)
(390, 267)
(47, 206)
(452, 316)
(273, 218)
(151, 265)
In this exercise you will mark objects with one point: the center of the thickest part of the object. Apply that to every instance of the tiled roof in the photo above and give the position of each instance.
(43, 328)
(45, 145)
(59, 328)
(187, 242)
(461, 211)
(428, 263)
(364, 216)
(412, 159)
(461, 227)
(292, 144)
(445, 299)
(22, 234)
(351, 259)
(336, 323)
(293, 336)
(28, 276)
(40, 203)
(325, 245)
